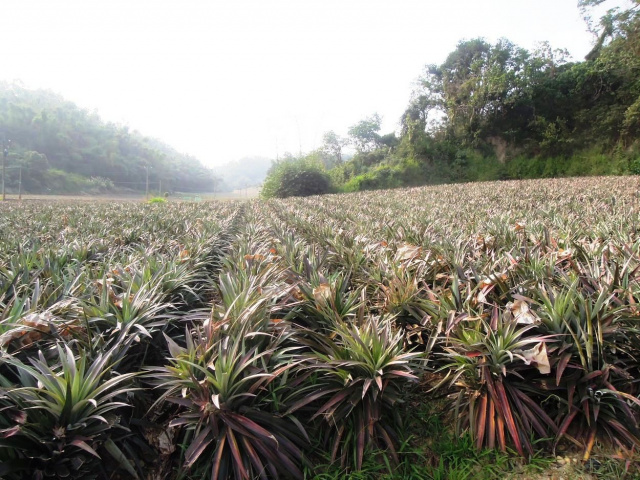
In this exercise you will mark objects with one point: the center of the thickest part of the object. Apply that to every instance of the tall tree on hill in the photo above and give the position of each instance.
(484, 89)
(332, 145)
(364, 134)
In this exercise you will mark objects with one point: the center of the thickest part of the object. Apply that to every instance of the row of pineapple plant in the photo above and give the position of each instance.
(556, 296)
(83, 310)
(275, 376)
(259, 340)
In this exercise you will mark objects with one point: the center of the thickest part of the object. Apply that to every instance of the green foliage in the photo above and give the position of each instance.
(66, 415)
(364, 134)
(332, 145)
(158, 200)
(59, 181)
(296, 177)
(498, 111)
(47, 131)
(388, 176)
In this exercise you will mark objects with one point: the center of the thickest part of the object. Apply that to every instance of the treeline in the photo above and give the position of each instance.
(62, 148)
(498, 111)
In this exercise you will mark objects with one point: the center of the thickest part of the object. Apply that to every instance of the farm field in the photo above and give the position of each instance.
(458, 331)
(134, 197)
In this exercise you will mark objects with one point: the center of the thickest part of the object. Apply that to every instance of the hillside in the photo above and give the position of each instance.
(243, 173)
(497, 111)
(63, 148)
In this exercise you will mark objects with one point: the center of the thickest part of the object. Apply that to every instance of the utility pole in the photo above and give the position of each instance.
(146, 192)
(299, 139)
(5, 153)
(160, 188)
(20, 184)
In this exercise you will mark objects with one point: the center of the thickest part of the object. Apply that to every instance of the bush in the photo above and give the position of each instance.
(406, 173)
(59, 181)
(296, 177)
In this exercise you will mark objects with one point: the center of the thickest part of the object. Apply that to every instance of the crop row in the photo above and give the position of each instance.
(261, 339)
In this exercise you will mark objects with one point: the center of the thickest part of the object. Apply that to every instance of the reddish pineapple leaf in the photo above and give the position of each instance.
(482, 419)
(503, 404)
(564, 426)
(388, 442)
(249, 425)
(84, 446)
(9, 432)
(585, 408)
(235, 452)
(402, 373)
(217, 459)
(336, 443)
(308, 399)
(560, 367)
(253, 458)
(198, 445)
(539, 411)
(334, 400)
(360, 445)
(591, 375)
(473, 354)
(491, 439)
(500, 431)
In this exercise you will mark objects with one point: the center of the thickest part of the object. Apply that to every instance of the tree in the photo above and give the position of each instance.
(331, 149)
(615, 23)
(426, 104)
(36, 164)
(482, 85)
(364, 134)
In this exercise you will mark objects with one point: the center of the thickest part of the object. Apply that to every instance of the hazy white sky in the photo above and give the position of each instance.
(227, 79)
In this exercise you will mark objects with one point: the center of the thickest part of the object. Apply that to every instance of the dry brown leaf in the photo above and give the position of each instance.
(322, 292)
(407, 252)
(37, 325)
(538, 356)
(522, 313)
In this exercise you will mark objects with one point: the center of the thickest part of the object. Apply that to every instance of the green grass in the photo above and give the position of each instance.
(432, 451)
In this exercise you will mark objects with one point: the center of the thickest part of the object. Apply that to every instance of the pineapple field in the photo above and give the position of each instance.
(324, 337)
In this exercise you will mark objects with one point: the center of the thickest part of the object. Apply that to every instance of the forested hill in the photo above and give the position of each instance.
(63, 148)
(494, 111)
(498, 111)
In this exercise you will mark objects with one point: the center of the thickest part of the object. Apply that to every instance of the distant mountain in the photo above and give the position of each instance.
(243, 173)
(63, 148)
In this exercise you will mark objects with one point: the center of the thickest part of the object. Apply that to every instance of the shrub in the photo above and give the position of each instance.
(59, 181)
(296, 178)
